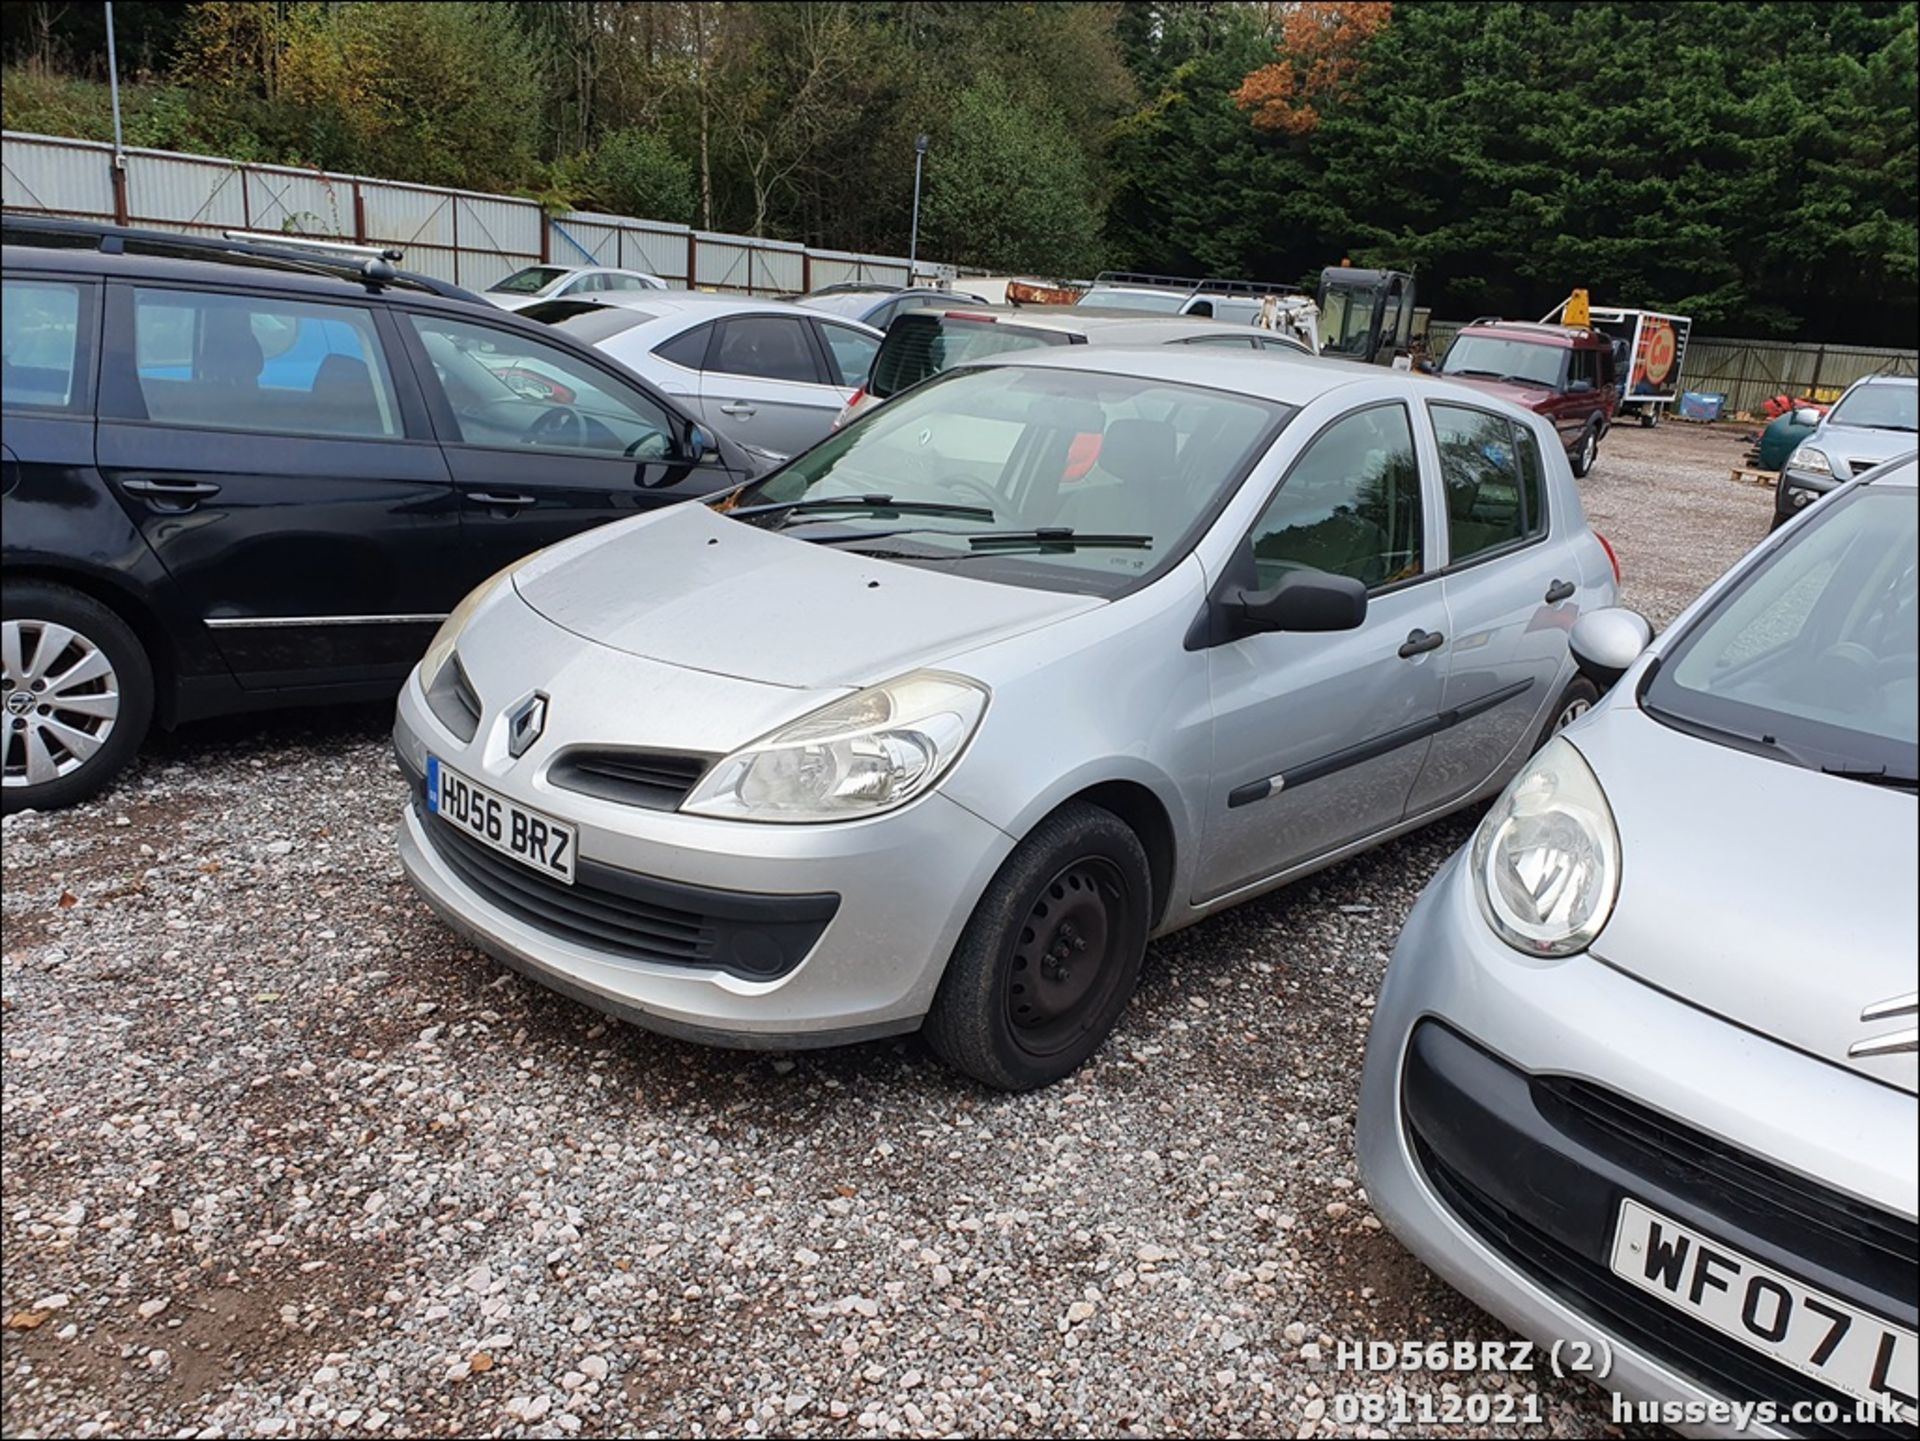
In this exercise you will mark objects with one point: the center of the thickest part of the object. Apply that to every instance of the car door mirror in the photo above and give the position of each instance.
(1303, 601)
(1580, 387)
(1806, 415)
(700, 443)
(1606, 642)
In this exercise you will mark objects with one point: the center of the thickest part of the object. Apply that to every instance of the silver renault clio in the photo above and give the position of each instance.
(937, 725)
(1642, 1074)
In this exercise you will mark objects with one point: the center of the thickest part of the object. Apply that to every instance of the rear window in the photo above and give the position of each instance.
(586, 321)
(922, 344)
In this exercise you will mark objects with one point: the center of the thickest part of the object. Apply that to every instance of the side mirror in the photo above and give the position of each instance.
(1304, 600)
(1806, 415)
(1606, 642)
(1580, 387)
(700, 442)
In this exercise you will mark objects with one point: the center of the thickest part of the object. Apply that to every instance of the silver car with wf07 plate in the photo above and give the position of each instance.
(1642, 1073)
(939, 725)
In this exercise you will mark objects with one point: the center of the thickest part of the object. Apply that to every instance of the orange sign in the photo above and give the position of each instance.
(1653, 366)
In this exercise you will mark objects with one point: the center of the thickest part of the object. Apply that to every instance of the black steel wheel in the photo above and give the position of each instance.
(1051, 955)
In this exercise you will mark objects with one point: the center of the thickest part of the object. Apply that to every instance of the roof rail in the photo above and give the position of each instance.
(371, 266)
(1192, 286)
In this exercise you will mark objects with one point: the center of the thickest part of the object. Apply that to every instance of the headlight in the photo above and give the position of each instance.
(860, 755)
(444, 639)
(1546, 860)
(1813, 462)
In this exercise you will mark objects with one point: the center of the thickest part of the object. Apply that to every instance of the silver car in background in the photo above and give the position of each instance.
(1642, 1074)
(767, 373)
(1874, 422)
(938, 724)
(532, 284)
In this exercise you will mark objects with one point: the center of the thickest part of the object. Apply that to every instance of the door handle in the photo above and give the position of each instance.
(1559, 591)
(171, 495)
(736, 407)
(493, 500)
(1419, 642)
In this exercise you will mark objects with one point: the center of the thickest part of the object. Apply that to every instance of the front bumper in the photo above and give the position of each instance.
(1796, 490)
(869, 910)
(1477, 1151)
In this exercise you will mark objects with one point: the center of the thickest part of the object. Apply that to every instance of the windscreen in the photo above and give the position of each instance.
(1057, 479)
(1879, 407)
(923, 344)
(530, 281)
(1494, 357)
(1812, 658)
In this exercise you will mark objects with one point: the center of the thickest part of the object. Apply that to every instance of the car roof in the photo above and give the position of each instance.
(1539, 332)
(1888, 380)
(1284, 375)
(1109, 327)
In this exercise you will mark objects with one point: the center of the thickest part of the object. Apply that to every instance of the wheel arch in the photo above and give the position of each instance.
(126, 602)
(1147, 817)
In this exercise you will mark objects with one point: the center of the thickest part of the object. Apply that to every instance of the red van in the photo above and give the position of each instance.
(1564, 372)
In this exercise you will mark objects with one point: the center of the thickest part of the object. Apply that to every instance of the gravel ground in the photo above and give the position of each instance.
(283, 1158)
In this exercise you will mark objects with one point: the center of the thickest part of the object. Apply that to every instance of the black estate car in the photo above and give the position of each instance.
(242, 474)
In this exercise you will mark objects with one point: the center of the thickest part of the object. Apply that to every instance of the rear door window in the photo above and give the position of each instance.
(1492, 473)
(256, 363)
(767, 347)
(40, 348)
(922, 344)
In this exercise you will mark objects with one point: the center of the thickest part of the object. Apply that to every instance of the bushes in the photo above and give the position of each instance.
(636, 172)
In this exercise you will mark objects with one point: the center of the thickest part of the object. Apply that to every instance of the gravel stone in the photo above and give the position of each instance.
(247, 1072)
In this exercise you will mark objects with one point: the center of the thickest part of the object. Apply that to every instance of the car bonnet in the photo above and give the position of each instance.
(689, 587)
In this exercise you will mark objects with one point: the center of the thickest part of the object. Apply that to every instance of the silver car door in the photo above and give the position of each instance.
(1318, 738)
(1513, 588)
(764, 384)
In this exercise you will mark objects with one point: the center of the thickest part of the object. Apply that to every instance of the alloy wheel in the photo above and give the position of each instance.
(1063, 972)
(1589, 450)
(1572, 712)
(60, 697)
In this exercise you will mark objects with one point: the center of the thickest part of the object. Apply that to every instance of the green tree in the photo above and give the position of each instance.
(636, 172)
(1006, 189)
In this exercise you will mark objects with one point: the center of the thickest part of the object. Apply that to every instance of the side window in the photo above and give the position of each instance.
(1605, 357)
(689, 348)
(623, 282)
(507, 389)
(1493, 477)
(851, 350)
(582, 285)
(880, 317)
(770, 347)
(1580, 368)
(40, 349)
(259, 363)
(1350, 505)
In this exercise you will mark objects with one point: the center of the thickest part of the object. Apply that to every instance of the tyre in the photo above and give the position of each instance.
(1586, 451)
(1051, 955)
(1649, 416)
(1575, 701)
(78, 693)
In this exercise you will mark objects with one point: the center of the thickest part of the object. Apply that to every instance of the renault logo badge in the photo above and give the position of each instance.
(524, 724)
(1893, 1043)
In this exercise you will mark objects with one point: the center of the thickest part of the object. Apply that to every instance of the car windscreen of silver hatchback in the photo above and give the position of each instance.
(1057, 479)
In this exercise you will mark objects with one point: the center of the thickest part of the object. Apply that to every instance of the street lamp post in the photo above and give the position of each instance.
(913, 239)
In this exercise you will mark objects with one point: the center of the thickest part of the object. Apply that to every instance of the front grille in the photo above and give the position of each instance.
(1873, 1246)
(658, 780)
(1589, 1287)
(593, 915)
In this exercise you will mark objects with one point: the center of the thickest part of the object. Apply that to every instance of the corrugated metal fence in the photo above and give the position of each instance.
(459, 235)
(1750, 372)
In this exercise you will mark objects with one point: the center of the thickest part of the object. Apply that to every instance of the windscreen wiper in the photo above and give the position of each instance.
(878, 504)
(1057, 537)
(1879, 776)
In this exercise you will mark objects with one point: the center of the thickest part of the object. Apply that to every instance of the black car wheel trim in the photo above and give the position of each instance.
(1062, 972)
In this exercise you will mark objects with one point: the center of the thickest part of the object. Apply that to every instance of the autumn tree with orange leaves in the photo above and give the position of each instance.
(1318, 57)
